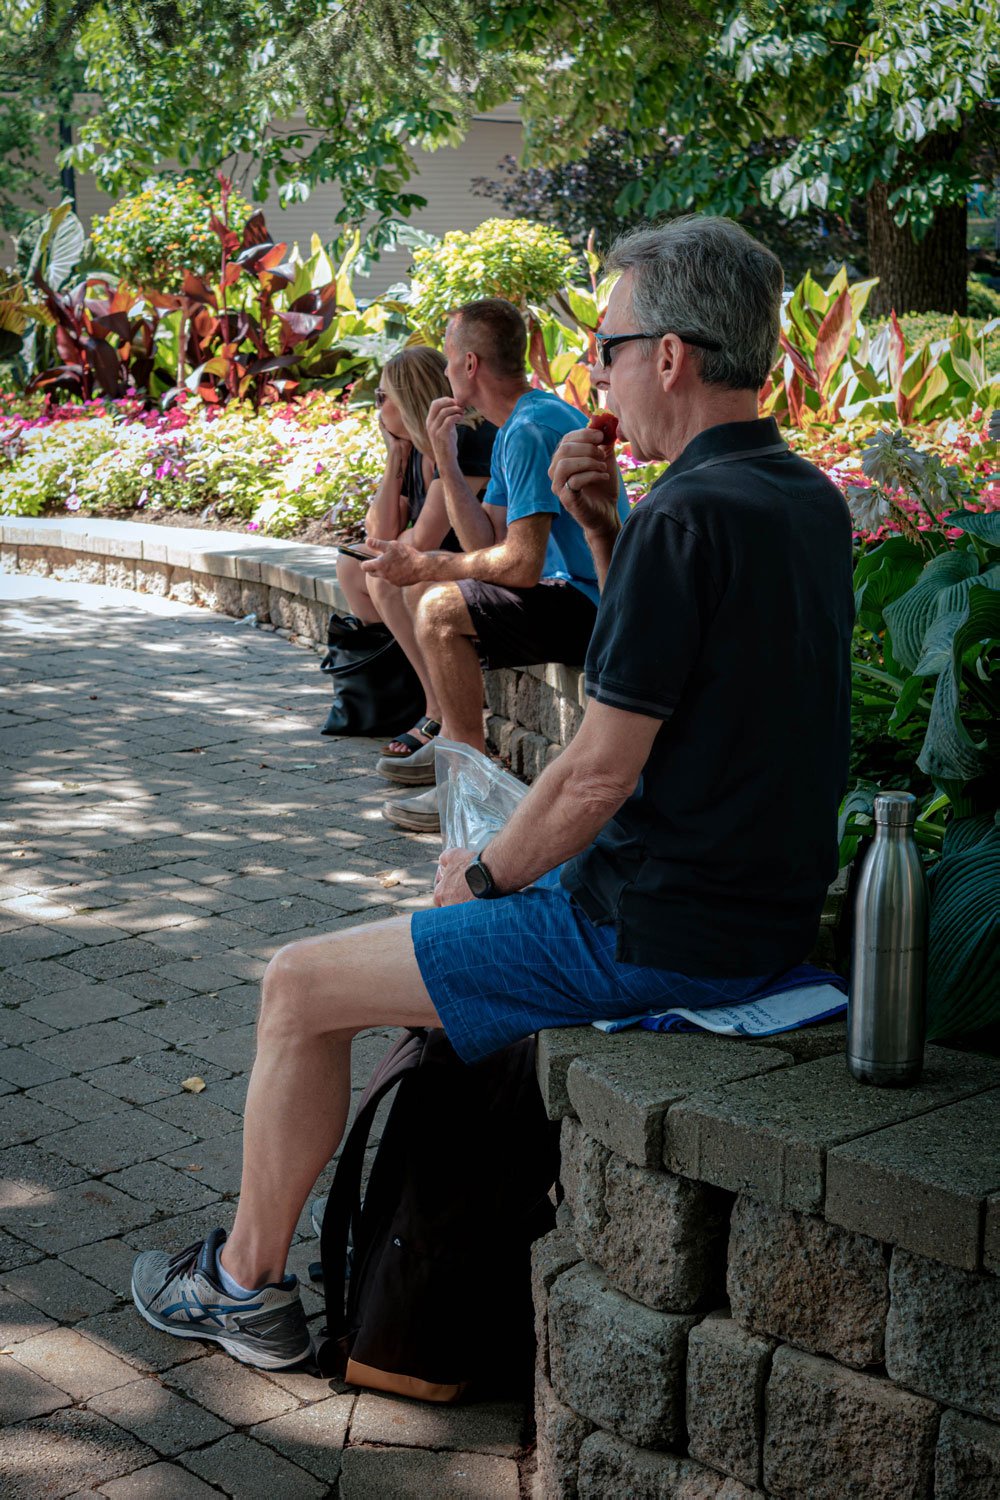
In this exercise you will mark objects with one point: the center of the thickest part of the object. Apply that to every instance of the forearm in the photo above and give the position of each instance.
(466, 516)
(500, 564)
(562, 814)
(382, 519)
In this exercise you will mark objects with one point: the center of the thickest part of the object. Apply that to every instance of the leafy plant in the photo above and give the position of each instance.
(512, 258)
(152, 237)
(927, 675)
(105, 337)
(832, 367)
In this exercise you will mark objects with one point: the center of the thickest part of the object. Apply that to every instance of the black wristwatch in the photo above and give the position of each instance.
(480, 881)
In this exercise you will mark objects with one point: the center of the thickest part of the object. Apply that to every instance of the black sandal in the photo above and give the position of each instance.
(429, 727)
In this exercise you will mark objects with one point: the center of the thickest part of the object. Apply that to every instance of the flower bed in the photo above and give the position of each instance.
(274, 471)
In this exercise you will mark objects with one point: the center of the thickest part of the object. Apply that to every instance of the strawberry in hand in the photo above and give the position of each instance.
(606, 423)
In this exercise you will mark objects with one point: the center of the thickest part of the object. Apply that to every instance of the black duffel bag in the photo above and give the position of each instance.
(375, 690)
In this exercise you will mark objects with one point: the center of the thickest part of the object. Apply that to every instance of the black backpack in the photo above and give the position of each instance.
(439, 1299)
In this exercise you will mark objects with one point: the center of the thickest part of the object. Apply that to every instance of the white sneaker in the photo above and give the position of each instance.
(417, 814)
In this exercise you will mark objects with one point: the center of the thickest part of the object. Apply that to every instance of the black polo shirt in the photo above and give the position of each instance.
(727, 613)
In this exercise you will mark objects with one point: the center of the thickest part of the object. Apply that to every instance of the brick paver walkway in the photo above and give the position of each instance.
(170, 818)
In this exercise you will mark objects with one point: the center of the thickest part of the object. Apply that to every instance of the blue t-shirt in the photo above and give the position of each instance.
(520, 483)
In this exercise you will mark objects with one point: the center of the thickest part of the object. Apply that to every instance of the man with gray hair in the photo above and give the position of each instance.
(678, 851)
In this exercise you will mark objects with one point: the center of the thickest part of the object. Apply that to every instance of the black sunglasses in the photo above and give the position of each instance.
(609, 341)
(380, 398)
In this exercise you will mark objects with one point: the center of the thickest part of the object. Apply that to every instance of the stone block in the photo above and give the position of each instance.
(182, 584)
(119, 573)
(152, 577)
(609, 1466)
(246, 1469)
(406, 1474)
(218, 592)
(19, 1319)
(527, 701)
(555, 1050)
(659, 1239)
(618, 1364)
(727, 1370)
(967, 1466)
(312, 1437)
(769, 1135)
(217, 562)
(623, 1094)
(533, 749)
(991, 1234)
(809, 1283)
(922, 1184)
(255, 599)
(24, 1395)
(551, 1255)
(158, 1417)
(35, 560)
(485, 1427)
(163, 1481)
(943, 1333)
(234, 1392)
(67, 1452)
(560, 1431)
(74, 1363)
(831, 1432)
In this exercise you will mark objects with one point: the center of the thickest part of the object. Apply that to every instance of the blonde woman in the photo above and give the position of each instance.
(411, 495)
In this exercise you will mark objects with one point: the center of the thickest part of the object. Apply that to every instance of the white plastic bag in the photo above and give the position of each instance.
(475, 795)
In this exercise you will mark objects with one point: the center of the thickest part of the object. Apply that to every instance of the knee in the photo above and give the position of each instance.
(284, 993)
(439, 611)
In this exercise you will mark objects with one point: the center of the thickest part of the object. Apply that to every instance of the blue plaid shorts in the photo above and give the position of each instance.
(501, 970)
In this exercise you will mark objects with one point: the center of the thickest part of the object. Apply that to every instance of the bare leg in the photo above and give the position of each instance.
(317, 994)
(355, 585)
(392, 604)
(445, 634)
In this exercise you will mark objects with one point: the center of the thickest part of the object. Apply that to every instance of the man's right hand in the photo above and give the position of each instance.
(585, 480)
(443, 417)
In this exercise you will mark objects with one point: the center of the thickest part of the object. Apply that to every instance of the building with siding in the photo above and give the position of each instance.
(444, 177)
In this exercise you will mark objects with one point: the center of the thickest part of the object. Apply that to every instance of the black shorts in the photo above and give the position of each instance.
(519, 627)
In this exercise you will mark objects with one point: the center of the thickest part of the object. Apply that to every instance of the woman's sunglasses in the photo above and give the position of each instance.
(381, 397)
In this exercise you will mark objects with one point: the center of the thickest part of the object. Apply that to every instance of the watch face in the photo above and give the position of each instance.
(477, 879)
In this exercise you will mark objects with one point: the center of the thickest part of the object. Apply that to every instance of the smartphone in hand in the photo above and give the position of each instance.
(356, 550)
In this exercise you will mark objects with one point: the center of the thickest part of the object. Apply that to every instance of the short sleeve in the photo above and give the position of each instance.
(656, 608)
(475, 448)
(527, 455)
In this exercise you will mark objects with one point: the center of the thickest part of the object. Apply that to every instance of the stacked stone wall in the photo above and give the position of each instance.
(702, 1336)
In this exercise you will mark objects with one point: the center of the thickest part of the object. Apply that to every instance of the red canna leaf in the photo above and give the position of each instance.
(897, 359)
(799, 363)
(538, 355)
(255, 231)
(833, 339)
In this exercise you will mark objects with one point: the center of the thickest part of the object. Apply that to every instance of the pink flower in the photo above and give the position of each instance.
(74, 502)
(253, 526)
(320, 468)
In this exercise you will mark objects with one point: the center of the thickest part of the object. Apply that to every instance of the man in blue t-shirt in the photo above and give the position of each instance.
(524, 588)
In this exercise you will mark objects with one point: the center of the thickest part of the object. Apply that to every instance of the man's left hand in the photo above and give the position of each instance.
(450, 885)
(399, 563)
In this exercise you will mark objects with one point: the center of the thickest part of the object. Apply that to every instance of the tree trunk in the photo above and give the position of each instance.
(928, 275)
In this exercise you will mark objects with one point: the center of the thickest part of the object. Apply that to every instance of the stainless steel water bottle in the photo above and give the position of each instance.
(887, 1004)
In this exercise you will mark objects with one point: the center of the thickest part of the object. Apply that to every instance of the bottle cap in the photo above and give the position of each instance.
(897, 809)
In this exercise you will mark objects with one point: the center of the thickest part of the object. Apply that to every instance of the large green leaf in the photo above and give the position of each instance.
(882, 574)
(949, 753)
(983, 524)
(933, 593)
(58, 247)
(963, 959)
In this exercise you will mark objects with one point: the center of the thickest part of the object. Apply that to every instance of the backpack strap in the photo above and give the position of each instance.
(344, 1201)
